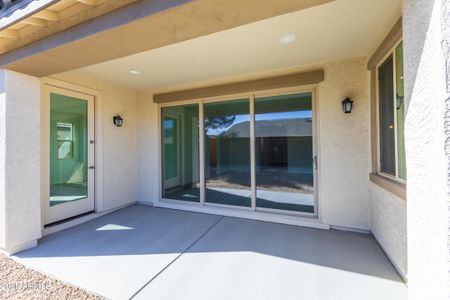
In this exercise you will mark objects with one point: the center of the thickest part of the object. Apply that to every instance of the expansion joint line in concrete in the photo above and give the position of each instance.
(176, 258)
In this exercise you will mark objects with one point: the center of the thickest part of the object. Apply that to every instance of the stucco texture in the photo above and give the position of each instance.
(388, 220)
(427, 152)
(2, 160)
(119, 144)
(148, 168)
(344, 150)
(20, 161)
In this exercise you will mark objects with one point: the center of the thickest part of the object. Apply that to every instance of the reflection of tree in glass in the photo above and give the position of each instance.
(218, 123)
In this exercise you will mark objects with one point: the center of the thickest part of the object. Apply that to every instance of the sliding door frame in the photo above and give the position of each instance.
(252, 212)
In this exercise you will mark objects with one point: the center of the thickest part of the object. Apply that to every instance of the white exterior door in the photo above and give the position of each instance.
(68, 154)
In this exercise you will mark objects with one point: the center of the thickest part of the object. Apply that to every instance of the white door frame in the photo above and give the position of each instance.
(272, 215)
(49, 84)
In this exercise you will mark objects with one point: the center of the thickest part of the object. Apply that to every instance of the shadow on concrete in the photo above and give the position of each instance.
(144, 230)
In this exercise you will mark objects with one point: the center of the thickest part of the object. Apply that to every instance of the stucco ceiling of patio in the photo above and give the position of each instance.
(334, 31)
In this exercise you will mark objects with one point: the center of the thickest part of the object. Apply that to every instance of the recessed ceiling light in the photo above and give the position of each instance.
(287, 39)
(135, 72)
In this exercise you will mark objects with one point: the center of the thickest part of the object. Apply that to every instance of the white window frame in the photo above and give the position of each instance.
(377, 90)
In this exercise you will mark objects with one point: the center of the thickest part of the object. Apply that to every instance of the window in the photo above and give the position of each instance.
(391, 115)
(64, 135)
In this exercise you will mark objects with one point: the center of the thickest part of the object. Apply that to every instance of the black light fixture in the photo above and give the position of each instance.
(118, 121)
(347, 105)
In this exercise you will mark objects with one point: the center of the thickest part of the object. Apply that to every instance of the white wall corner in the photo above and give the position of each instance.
(427, 136)
(20, 204)
(2, 161)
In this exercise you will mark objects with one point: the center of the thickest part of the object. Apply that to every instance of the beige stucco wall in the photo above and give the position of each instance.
(147, 132)
(347, 198)
(119, 144)
(344, 145)
(427, 94)
(19, 161)
(388, 221)
(2, 160)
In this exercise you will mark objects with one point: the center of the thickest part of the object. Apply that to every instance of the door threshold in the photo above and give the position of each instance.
(77, 220)
(70, 219)
(253, 215)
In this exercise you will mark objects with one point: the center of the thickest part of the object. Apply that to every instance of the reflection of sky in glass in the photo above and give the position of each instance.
(168, 124)
(238, 119)
(301, 114)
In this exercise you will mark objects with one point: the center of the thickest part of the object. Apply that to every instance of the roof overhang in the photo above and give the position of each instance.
(138, 27)
(17, 11)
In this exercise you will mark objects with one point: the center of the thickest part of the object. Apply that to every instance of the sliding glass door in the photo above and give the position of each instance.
(255, 153)
(180, 153)
(284, 153)
(227, 152)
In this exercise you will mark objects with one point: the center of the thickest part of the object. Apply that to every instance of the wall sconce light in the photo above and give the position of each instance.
(347, 105)
(118, 121)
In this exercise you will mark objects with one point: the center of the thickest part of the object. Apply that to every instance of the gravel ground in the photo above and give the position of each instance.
(19, 282)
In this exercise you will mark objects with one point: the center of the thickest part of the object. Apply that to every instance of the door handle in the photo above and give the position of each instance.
(315, 162)
(91, 167)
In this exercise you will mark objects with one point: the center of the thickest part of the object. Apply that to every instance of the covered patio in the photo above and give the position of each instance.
(142, 252)
(224, 149)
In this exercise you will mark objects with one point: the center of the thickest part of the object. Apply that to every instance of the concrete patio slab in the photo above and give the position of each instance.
(151, 253)
(117, 254)
(245, 259)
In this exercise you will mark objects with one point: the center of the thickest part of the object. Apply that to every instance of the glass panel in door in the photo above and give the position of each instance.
(180, 143)
(387, 119)
(284, 153)
(68, 149)
(227, 153)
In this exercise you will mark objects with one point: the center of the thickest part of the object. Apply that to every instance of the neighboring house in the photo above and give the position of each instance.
(109, 103)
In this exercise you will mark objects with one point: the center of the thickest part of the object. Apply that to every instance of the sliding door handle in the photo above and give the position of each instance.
(315, 162)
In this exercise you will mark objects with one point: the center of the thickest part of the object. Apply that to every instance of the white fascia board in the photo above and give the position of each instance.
(22, 10)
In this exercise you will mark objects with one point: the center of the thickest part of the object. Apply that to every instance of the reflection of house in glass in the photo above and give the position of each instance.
(281, 143)
(284, 168)
(68, 152)
(227, 155)
(64, 135)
